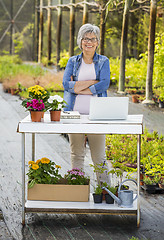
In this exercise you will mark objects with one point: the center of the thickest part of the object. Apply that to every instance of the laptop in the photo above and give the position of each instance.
(108, 108)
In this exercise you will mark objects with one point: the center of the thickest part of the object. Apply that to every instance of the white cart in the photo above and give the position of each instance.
(133, 125)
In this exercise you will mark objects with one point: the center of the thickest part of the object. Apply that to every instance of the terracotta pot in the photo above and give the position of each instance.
(55, 115)
(135, 99)
(104, 192)
(13, 91)
(36, 116)
(161, 185)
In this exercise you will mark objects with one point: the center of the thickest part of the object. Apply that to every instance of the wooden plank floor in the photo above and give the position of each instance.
(65, 226)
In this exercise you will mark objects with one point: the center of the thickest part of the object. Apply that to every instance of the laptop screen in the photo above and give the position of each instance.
(107, 108)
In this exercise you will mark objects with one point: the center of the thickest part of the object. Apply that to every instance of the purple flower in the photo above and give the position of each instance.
(73, 178)
(75, 169)
(80, 173)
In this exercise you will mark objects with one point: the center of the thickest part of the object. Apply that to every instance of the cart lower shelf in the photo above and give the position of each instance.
(79, 208)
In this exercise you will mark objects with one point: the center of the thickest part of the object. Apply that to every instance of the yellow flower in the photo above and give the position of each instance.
(38, 161)
(45, 160)
(30, 162)
(35, 166)
(58, 166)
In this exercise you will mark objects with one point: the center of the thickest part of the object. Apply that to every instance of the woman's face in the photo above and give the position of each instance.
(89, 43)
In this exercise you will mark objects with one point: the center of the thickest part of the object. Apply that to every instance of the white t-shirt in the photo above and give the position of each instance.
(82, 102)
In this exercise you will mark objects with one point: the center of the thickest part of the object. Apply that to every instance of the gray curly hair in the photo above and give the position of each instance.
(87, 28)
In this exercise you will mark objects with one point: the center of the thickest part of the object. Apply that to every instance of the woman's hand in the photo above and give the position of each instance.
(82, 87)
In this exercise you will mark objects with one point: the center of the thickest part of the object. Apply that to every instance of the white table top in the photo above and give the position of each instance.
(132, 125)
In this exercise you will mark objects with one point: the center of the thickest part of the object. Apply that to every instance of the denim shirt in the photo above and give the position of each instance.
(102, 70)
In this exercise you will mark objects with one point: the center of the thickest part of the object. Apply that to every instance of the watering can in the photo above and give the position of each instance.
(125, 197)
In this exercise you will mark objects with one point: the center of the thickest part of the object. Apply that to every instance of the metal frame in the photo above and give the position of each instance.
(78, 211)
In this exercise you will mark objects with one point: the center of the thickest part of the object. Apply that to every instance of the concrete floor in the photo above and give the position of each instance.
(67, 226)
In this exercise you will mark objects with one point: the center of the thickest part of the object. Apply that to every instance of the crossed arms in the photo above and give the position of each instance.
(82, 87)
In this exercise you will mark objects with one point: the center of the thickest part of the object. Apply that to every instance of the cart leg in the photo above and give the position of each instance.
(33, 146)
(138, 177)
(23, 178)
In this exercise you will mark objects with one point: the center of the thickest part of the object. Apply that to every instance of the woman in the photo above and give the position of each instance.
(86, 75)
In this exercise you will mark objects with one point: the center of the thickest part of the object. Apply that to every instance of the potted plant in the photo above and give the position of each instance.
(36, 101)
(36, 108)
(97, 195)
(161, 97)
(151, 183)
(54, 105)
(161, 100)
(100, 168)
(45, 183)
(161, 183)
(108, 198)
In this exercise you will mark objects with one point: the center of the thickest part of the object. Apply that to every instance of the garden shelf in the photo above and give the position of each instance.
(132, 125)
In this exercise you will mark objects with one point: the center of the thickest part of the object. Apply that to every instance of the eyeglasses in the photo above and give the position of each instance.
(93, 40)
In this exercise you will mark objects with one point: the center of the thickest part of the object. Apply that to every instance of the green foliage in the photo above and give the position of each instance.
(161, 94)
(158, 76)
(114, 70)
(99, 167)
(112, 189)
(120, 149)
(135, 72)
(142, 31)
(149, 181)
(64, 59)
(134, 238)
(12, 65)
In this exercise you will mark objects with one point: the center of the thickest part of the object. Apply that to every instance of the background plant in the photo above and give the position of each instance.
(120, 149)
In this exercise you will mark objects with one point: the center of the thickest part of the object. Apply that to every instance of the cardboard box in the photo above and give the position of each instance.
(59, 192)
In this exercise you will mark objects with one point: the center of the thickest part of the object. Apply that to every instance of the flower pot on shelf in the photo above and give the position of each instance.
(97, 198)
(59, 192)
(109, 199)
(36, 116)
(55, 115)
